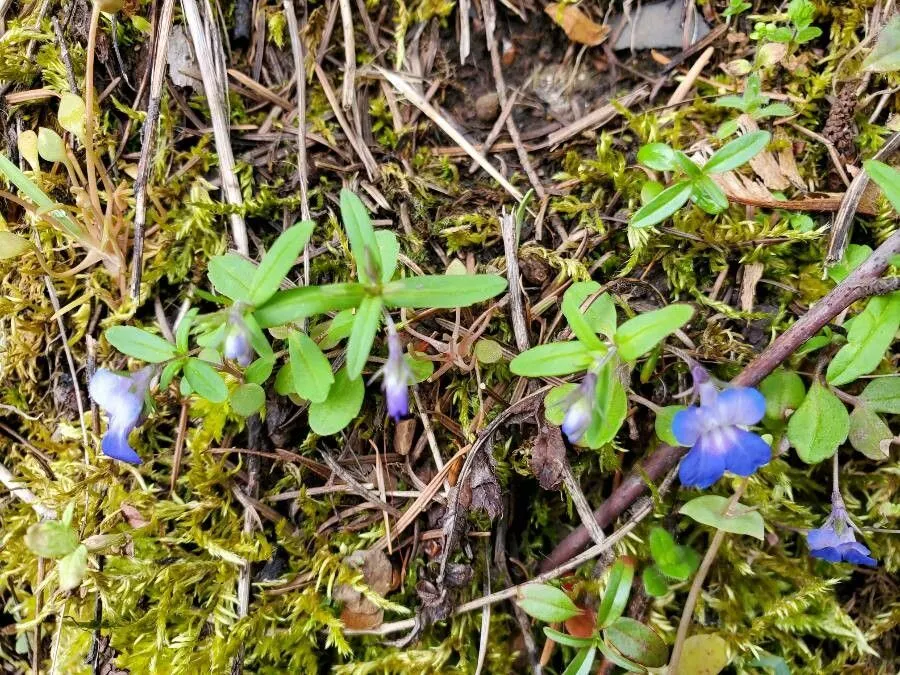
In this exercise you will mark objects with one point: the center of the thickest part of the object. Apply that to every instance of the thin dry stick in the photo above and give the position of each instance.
(64, 54)
(215, 85)
(16, 489)
(297, 50)
(348, 91)
(89, 108)
(511, 251)
(417, 100)
(596, 118)
(465, 31)
(581, 503)
(685, 86)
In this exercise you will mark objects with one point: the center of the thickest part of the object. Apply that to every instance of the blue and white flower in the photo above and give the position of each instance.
(122, 398)
(715, 431)
(237, 339)
(397, 376)
(835, 541)
(579, 407)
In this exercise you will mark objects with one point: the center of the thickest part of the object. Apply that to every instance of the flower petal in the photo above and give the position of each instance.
(823, 537)
(687, 425)
(747, 454)
(828, 553)
(115, 445)
(701, 468)
(857, 554)
(740, 405)
(114, 394)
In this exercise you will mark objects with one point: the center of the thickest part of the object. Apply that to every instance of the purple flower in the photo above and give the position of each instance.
(835, 540)
(237, 339)
(579, 407)
(715, 432)
(122, 397)
(397, 378)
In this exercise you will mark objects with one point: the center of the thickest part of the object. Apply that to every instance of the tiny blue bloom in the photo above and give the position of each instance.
(397, 377)
(715, 432)
(580, 408)
(237, 339)
(122, 397)
(835, 540)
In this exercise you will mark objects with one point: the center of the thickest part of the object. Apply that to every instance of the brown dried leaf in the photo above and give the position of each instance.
(764, 164)
(485, 488)
(404, 433)
(578, 25)
(132, 516)
(548, 457)
(359, 612)
(752, 274)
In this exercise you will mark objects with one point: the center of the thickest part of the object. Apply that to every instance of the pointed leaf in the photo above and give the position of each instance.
(869, 337)
(887, 177)
(72, 568)
(618, 588)
(231, 275)
(639, 335)
(546, 603)
(443, 291)
(365, 325)
(883, 394)
(278, 261)
(662, 205)
(363, 244)
(310, 369)
(345, 398)
(140, 344)
(637, 643)
(299, 303)
(869, 434)
(737, 152)
(205, 381)
(553, 360)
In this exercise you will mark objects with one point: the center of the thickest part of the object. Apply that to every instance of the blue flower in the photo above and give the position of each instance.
(580, 408)
(122, 397)
(237, 338)
(715, 432)
(835, 540)
(397, 378)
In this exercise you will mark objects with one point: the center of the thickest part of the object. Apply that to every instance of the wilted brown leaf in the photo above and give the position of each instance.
(548, 457)
(359, 612)
(578, 25)
(484, 487)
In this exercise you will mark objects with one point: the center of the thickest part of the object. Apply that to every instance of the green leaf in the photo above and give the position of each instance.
(582, 663)
(72, 568)
(709, 196)
(885, 58)
(310, 370)
(51, 539)
(345, 398)
(689, 166)
(140, 344)
(284, 380)
(12, 245)
(637, 642)
(773, 110)
(205, 381)
(855, 255)
(30, 189)
(610, 410)
(663, 547)
(51, 146)
(299, 303)
(258, 339)
(663, 205)
(703, 655)
(183, 330)
(335, 330)
(601, 313)
(618, 588)
(260, 370)
(71, 114)
(655, 583)
(444, 291)
(363, 244)
(784, 392)
(171, 369)
(710, 510)
(888, 179)
(663, 423)
(27, 143)
(737, 152)
(615, 657)
(553, 360)
(278, 261)
(389, 250)
(727, 128)
(579, 324)
(566, 639)
(883, 394)
(365, 325)
(231, 275)
(546, 603)
(871, 333)
(658, 156)
(420, 368)
(247, 399)
(639, 335)
(869, 434)
(650, 189)
(488, 351)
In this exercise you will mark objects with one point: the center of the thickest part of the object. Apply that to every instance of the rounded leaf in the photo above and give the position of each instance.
(637, 642)
(247, 399)
(546, 603)
(819, 426)
(345, 398)
(703, 655)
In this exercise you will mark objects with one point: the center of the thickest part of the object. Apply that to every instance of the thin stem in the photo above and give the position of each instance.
(89, 109)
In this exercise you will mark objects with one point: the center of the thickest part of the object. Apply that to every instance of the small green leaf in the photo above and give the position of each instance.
(12, 245)
(663, 423)
(703, 655)
(183, 330)
(885, 58)
(566, 639)
(639, 335)
(658, 156)
(737, 152)
(727, 128)
(710, 510)
(389, 250)
(51, 539)
(637, 642)
(868, 338)
(663, 205)
(310, 370)
(663, 547)
(601, 313)
(231, 275)
(363, 244)
(773, 110)
(784, 392)
(299, 303)
(546, 603)
(278, 261)
(582, 663)
(887, 177)
(205, 381)
(689, 166)
(260, 370)
(171, 369)
(72, 568)
(365, 325)
(443, 291)
(27, 143)
(655, 584)
(650, 189)
(577, 321)
(883, 394)
(553, 360)
(855, 255)
(488, 351)
(140, 344)
(709, 196)
(618, 588)
(50, 146)
(30, 189)
(615, 657)
(869, 434)
(335, 330)
(248, 399)
(420, 368)
(71, 114)
(610, 410)
(345, 398)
